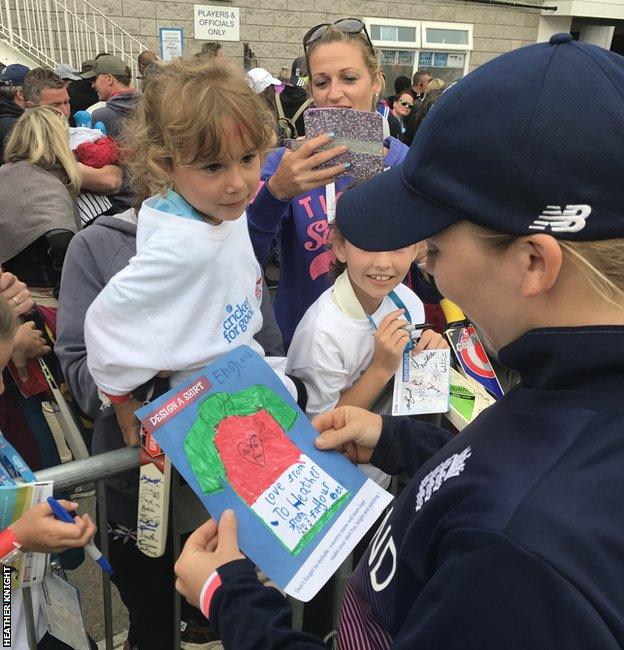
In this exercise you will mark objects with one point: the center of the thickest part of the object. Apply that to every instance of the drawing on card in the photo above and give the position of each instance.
(239, 439)
(422, 383)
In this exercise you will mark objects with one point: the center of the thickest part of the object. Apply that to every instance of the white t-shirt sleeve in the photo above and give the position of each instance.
(125, 332)
(316, 359)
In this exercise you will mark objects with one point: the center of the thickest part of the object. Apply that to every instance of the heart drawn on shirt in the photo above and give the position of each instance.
(254, 451)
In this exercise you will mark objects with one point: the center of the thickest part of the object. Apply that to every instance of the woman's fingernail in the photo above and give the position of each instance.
(320, 441)
(331, 135)
(347, 165)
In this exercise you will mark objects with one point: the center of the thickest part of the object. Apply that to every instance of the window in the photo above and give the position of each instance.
(447, 36)
(443, 49)
(384, 31)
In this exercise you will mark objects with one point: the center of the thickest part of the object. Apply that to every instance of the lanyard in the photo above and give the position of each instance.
(13, 463)
(399, 305)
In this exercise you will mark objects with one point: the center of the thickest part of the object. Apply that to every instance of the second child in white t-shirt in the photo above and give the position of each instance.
(350, 342)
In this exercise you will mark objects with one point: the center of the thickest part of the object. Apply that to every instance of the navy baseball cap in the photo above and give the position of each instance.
(13, 75)
(515, 146)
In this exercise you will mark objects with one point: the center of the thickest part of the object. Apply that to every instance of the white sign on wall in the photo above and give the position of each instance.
(171, 43)
(217, 23)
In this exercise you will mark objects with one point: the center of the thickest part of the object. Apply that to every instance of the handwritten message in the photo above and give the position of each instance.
(298, 502)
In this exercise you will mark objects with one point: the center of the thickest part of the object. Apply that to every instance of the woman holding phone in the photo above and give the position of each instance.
(290, 208)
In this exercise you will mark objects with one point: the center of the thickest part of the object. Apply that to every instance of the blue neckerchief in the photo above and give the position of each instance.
(173, 203)
(399, 305)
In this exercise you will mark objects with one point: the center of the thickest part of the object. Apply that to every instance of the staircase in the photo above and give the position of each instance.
(49, 32)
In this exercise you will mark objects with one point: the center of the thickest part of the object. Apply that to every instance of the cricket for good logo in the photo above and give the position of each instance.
(237, 320)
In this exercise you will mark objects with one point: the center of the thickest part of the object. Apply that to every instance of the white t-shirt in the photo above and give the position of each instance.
(330, 351)
(191, 294)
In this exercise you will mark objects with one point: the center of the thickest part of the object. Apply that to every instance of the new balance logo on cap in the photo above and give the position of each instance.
(570, 219)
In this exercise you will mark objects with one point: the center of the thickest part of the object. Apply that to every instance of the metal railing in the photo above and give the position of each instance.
(65, 31)
(187, 514)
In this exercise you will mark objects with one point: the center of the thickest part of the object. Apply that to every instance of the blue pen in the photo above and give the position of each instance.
(90, 548)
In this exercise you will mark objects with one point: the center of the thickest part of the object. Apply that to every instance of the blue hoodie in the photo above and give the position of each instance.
(300, 226)
(508, 535)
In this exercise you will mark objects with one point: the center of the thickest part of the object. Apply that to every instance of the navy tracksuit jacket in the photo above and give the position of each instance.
(508, 536)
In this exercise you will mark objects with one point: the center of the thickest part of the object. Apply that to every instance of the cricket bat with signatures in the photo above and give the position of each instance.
(153, 509)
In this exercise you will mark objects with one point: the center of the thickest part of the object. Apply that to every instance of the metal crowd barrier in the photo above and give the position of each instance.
(187, 513)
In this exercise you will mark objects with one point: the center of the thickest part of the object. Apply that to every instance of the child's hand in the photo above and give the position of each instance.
(29, 344)
(128, 423)
(38, 530)
(390, 342)
(429, 340)
(208, 548)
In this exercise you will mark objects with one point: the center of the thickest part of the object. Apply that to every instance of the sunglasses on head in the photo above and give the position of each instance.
(405, 104)
(352, 26)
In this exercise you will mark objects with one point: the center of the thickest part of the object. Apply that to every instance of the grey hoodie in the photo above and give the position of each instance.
(94, 255)
(117, 108)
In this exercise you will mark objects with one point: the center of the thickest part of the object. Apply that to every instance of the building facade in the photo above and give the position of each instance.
(446, 37)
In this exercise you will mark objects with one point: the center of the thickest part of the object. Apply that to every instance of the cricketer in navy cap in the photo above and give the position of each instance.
(508, 148)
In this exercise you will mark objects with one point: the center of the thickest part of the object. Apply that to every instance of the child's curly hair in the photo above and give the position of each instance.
(180, 120)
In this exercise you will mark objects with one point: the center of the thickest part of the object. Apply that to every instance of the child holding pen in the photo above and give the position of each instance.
(37, 530)
(350, 342)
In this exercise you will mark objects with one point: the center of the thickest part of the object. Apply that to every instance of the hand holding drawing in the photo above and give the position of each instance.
(295, 173)
(429, 340)
(350, 430)
(390, 341)
(29, 344)
(128, 423)
(208, 548)
(39, 531)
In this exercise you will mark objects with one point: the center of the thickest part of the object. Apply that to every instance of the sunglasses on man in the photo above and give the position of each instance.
(351, 26)
(406, 104)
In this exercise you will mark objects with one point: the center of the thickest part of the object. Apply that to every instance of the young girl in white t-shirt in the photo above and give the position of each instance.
(351, 340)
(194, 288)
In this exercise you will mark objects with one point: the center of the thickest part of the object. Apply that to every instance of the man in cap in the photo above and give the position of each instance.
(81, 95)
(112, 81)
(12, 102)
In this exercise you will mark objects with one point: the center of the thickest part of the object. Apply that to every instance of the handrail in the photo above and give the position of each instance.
(65, 31)
(79, 472)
